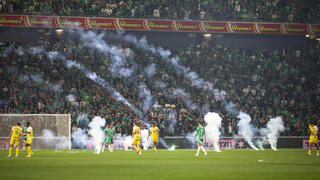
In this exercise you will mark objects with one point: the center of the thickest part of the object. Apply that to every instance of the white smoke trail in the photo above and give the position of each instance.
(117, 56)
(36, 50)
(261, 142)
(161, 140)
(191, 139)
(118, 59)
(150, 70)
(246, 130)
(20, 51)
(31, 77)
(180, 93)
(213, 126)
(55, 87)
(80, 138)
(119, 64)
(193, 77)
(53, 55)
(146, 143)
(272, 132)
(127, 142)
(63, 142)
(96, 41)
(49, 138)
(71, 98)
(124, 142)
(145, 94)
(36, 78)
(97, 133)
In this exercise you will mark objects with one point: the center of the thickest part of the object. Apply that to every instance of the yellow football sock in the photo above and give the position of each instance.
(17, 151)
(139, 149)
(317, 151)
(155, 148)
(135, 147)
(10, 151)
(309, 151)
(29, 150)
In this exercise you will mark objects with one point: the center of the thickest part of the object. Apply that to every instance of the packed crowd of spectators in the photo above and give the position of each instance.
(264, 83)
(231, 10)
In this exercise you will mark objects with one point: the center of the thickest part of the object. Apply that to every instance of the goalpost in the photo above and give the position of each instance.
(59, 126)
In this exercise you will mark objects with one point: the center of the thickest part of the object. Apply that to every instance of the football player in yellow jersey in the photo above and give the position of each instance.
(136, 137)
(29, 138)
(313, 130)
(155, 132)
(15, 133)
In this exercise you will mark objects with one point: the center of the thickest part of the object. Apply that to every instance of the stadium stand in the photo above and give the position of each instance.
(222, 10)
(263, 82)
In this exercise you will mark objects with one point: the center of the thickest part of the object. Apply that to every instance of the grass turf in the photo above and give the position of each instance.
(180, 164)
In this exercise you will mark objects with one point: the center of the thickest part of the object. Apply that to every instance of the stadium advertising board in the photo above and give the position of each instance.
(240, 27)
(267, 28)
(100, 23)
(223, 144)
(314, 28)
(129, 24)
(4, 144)
(213, 26)
(156, 25)
(185, 26)
(305, 143)
(295, 28)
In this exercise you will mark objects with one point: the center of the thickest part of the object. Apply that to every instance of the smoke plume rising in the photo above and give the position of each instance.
(272, 132)
(246, 130)
(97, 133)
(213, 126)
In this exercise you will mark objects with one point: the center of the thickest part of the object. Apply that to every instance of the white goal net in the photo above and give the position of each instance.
(50, 131)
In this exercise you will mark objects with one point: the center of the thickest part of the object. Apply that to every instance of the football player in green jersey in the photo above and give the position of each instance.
(201, 133)
(111, 136)
(24, 134)
(106, 136)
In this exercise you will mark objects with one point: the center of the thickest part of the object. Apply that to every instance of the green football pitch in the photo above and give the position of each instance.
(180, 164)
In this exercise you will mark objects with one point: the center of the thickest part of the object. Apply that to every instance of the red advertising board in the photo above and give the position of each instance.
(156, 25)
(130, 24)
(100, 23)
(12, 20)
(39, 21)
(235, 27)
(214, 26)
(295, 28)
(266, 28)
(186, 26)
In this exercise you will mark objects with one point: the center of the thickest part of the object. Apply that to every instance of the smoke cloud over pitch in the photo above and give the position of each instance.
(97, 133)
(246, 130)
(272, 132)
(213, 126)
